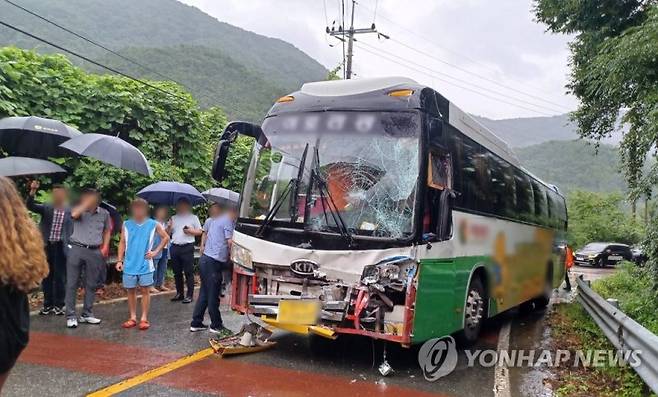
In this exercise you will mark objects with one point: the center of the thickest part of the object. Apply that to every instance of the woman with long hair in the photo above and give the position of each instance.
(22, 267)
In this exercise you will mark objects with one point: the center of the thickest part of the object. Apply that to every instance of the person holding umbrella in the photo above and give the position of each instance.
(88, 245)
(56, 228)
(184, 226)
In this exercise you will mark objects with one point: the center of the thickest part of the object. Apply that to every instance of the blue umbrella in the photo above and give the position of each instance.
(169, 193)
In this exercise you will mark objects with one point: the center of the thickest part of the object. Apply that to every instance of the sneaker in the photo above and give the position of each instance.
(71, 323)
(59, 311)
(222, 331)
(177, 298)
(46, 311)
(197, 329)
(187, 300)
(90, 320)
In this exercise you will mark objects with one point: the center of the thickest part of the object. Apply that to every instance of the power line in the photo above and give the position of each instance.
(470, 59)
(435, 72)
(478, 75)
(35, 37)
(452, 83)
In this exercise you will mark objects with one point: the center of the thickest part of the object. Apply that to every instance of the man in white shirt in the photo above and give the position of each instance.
(184, 227)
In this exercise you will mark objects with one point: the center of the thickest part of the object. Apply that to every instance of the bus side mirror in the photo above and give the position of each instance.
(230, 134)
(219, 160)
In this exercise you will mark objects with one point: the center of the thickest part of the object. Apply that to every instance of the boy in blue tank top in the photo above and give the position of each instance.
(135, 258)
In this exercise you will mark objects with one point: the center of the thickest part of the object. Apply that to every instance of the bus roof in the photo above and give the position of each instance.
(371, 93)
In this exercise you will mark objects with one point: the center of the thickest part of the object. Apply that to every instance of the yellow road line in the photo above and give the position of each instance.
(152, 374)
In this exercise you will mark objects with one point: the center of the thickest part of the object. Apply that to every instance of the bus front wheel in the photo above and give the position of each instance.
(475, 311)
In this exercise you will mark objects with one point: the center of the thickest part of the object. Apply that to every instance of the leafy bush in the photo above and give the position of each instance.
(173, 133)
(633, 287)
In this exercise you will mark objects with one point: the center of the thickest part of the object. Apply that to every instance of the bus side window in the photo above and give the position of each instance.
(439, 175)
(525, 200)
(440, 194)
(541, 207)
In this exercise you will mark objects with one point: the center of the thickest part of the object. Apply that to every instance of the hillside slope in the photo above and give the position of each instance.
(575, 165)
(215, 51)
(528, 131)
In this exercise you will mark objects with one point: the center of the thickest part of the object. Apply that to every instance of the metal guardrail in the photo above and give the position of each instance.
(623, 332)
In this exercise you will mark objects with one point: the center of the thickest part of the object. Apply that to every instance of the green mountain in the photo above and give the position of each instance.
(528, 131)
(575, 165)
(223, 65)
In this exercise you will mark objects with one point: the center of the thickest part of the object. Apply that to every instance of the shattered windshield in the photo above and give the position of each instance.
(368, 162)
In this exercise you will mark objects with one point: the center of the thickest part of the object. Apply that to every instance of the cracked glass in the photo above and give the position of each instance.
(365, 162)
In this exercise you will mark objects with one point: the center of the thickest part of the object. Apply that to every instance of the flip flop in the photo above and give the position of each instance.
(144, 325)
(129, 324)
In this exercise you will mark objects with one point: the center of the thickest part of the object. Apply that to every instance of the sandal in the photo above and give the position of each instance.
(129, 324)
(144, 325)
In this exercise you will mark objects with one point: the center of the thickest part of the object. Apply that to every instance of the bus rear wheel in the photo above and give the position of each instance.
(543, 300)
(475, 312)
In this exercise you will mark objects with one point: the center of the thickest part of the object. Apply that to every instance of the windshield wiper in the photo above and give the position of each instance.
(269, 217)
(294, 211)
(323, 190)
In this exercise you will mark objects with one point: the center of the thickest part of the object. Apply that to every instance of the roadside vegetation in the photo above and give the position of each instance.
(573, 329)
(632, 286)
(174, 133)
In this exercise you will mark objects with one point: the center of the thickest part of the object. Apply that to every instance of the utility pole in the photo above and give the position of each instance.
(341, 33)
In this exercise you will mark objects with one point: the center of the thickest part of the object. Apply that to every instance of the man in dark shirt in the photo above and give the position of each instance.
(90, 238)
(55, 226)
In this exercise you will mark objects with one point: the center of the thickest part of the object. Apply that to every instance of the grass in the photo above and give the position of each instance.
(573, 329)
(633, 287)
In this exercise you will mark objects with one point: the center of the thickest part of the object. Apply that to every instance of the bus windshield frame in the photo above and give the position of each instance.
(369, 163)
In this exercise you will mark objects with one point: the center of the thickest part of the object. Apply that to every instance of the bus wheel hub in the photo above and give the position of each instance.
(474, 307)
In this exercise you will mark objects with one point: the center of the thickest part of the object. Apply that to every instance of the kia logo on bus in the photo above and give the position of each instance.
(303, 267)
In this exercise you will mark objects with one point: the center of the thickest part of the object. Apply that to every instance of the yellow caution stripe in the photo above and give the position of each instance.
(152, 374)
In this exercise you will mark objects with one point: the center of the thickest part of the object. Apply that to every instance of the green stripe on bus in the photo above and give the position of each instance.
(440, 296)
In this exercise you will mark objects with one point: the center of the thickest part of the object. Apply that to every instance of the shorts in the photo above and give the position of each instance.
(137, 280)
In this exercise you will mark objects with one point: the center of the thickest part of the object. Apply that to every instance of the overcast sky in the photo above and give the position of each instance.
(478, 53)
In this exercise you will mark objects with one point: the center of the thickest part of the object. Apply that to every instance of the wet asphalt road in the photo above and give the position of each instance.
(66, 362)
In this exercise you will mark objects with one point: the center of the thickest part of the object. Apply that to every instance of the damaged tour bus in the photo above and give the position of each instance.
(377, 207)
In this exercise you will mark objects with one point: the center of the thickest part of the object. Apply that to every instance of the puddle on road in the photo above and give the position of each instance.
(530, 332)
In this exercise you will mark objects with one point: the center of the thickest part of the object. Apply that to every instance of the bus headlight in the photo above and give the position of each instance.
(241, 256)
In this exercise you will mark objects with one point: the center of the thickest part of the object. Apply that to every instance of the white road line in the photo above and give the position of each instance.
(501, 375)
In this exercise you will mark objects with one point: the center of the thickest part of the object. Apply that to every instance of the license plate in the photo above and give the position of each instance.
(302, 312)
(614, 258)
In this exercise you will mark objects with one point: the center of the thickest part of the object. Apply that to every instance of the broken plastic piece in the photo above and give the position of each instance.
(251, 338)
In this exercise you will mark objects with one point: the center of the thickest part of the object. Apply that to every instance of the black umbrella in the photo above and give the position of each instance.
(19, 166)
(168, 193)
(34, 136)
(111, 150)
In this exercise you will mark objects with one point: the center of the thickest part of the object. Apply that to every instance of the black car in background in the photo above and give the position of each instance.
(602, 254)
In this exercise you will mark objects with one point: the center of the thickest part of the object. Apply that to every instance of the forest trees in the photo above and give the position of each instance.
(614, 74)
(173, 133)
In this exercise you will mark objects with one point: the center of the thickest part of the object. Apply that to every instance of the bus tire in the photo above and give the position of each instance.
(542, 301)
(475, 312)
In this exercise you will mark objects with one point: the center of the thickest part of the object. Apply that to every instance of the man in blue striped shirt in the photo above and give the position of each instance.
(214, 257)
